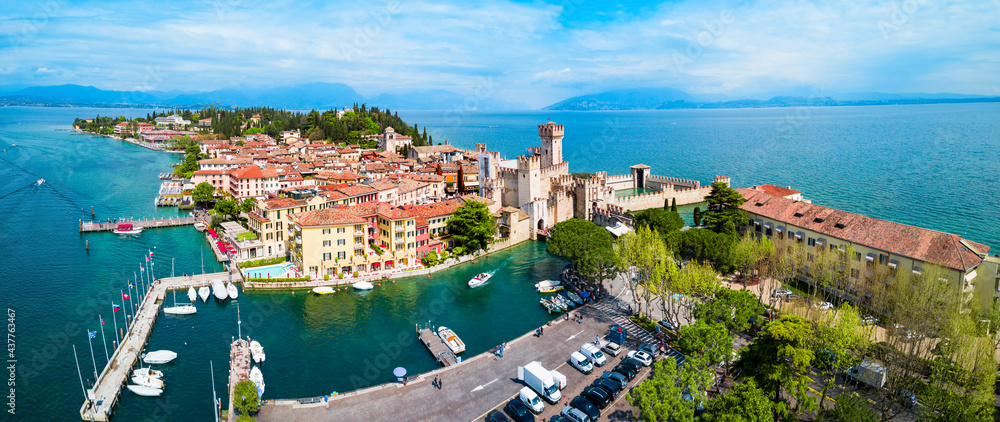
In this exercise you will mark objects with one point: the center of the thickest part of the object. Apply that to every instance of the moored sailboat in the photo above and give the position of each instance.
(232, 291)
(145, 391)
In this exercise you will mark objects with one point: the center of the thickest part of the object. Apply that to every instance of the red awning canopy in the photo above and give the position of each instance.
(388, 262)
(124, 227)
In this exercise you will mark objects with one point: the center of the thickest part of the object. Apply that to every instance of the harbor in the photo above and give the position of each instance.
(439, 350)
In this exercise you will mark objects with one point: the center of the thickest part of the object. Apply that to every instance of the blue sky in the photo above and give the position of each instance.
(530, 52)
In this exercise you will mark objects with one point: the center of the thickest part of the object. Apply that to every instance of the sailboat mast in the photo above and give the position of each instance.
(215, 400)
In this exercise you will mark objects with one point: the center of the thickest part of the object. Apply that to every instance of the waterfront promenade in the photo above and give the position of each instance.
(116, 373)
(468, 389)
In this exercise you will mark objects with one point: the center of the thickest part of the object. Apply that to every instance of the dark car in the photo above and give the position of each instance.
(635, 362)
(616, 377)
(598, 396)
(496, 416)
(519, 411)
(907, 398)
(611, 386)
(628, 371)
(648, 348)
(586, 406)
(559, 418)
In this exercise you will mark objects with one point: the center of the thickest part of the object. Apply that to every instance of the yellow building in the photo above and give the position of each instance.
(268, 217)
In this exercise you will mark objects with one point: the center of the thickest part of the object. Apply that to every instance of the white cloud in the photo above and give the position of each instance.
(44, 71)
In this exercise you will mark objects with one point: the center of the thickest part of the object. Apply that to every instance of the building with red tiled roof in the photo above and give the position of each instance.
(788, 192)
(879, 248)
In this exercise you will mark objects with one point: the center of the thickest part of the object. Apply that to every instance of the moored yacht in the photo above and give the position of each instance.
(127, 229)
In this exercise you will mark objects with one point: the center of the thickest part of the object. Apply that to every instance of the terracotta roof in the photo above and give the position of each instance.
(356, 190)
(248, 172)
(775, 190)
(474, 197)
(328, 217)
(918, 243)
(435, 209)
(275, 203)
(467, 169)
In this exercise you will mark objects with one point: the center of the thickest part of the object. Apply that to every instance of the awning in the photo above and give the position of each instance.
(389, 262)
(917, 271)
(970, 276)
(841, 248)
(758, 222)
(820, 242)
(768, 226)
(870, 257)
(893, 263)
(798, 235)
(781, 229)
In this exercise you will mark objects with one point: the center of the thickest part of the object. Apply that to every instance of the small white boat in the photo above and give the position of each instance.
(257, 352)
(232, 290)
(159, 356)
(548, 286)
(480, 279)
(363, 285)
(203, 292)
(145, 391)
(323, 290)
(147, 372)
(200, 226)
(192, 294)
(219, 290)
(258, 379)
(127, 229)
(147, 381)
(187, 309)
(40, 181)
(451, 340)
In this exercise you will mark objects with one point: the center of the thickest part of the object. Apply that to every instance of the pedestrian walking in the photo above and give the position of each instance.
(439, 382)
(435, 383)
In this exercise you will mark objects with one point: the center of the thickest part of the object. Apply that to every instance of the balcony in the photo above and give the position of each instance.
(399, 229)
(359, 232)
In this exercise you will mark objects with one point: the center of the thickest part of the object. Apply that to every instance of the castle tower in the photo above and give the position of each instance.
(552, 136)
(528, 179)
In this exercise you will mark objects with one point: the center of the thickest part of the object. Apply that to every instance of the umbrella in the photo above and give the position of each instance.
(399, 371)
(584, 294)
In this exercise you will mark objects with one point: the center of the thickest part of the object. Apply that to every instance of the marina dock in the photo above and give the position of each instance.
(116, 373)
(442, 354)
(239, 368)
(86, 227)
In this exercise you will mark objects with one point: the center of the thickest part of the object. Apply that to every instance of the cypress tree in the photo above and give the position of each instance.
(697, 216)
(673, 206)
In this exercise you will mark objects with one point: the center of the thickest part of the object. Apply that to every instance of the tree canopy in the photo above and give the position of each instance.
(246, 389)
(472, 226)
(585, 244)
(671, 393)
(663, 221)
(734, 308)
(724, 214)
(780, 359)
(203, 193)
(713, 341)
(744, 403)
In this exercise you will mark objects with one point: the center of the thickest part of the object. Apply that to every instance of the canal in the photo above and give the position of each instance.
(316, 345)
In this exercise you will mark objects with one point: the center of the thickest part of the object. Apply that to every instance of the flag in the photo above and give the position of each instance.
(102, 321)
(92, 333)
(140, 267)
(130, 285)
(115, 307)
(147, 259)
(150, 252)
(124, 296)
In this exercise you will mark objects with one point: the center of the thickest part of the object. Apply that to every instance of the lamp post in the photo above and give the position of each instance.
(244, 408)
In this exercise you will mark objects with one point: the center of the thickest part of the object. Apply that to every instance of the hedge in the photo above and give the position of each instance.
(278, 280)
(261, 262)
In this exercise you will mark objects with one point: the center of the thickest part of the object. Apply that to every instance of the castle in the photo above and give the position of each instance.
(539, 183)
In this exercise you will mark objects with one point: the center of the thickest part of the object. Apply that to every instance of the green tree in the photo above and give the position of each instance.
(724, 214)
(850, 407)
(839, 337)
(245, 398)
(471, 226)
(586, 245)
(697, 216)
(694, 278)
(780, 359)
(735, 308)
(660, 398)
(673, 206)
(253, 131)
(643, 258)
(247, 204)
(712, 341)
(203, 193)
(663, 221)
(744, 403)
(226, 207)
(431, 259)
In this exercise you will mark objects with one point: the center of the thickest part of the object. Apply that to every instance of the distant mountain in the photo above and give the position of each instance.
(440, 100)
(624, 99)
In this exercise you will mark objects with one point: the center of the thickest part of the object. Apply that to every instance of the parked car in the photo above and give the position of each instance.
(869, 320)
(575, 415)
(626, 370)
(824, 306)
(648, 348)
(599, 396)
(616, 377)
(531, 399)
(906, 398)
(586, 406)
(642, 356)
(666, 325)
(610, 386)
(496, 416)
(579, 361)
(519, 411)
(781, 293)
(559, 418)
(612, 349)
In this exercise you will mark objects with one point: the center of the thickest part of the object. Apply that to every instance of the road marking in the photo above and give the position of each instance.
(574, 335)
(483, 386)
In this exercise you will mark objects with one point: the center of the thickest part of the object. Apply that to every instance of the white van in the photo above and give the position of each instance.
(591, 351)
(531, 399)
(579, 361)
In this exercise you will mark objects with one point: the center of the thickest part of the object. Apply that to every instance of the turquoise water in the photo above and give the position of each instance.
(632, 191)
(268, 271)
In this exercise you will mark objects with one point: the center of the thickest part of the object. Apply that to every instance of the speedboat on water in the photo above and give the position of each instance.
(145, 391)
(258, 379)
(451, 340)
(159, 356)
(232, 290)
(127, 229)
(257, 352)
(323, 290)
(363, 285)
(203, 292)
(200, 226)
(480, 279)
(219, 290)
(548, 286)
(40, 181)
(192, 294)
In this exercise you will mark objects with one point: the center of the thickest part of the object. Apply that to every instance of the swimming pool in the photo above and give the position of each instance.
(267, 271)
(633, 191)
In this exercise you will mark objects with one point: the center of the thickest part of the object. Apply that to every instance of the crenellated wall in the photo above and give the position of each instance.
(561, 168)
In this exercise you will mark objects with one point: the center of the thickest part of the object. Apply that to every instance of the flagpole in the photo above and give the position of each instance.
(115, 318)
(92, 360)
(104, 339)
(130, 304)
(135, 277)
(125, 311)
(77, 360)
(215, 409)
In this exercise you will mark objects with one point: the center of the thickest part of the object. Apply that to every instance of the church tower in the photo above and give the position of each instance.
(552, 136)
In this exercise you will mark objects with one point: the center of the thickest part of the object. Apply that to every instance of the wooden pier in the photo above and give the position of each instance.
(86, 227)
(116, 372)
(442, 354)
(239, 369)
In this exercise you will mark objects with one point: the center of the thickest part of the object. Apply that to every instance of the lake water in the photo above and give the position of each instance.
(934, 166)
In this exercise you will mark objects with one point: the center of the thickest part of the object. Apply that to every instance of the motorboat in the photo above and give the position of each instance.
(574, 297)
(363, 285)
(40, 181)
(127, 229)
(200, 226)
(159, 356)
(147, 381)
(203, 292)
(323, 290)
(147, 372)
(257, 352)
(186, 309)
(192, 294)
(451, 340)
(548, 286)
(258, 380)
(219, 290)
(480, 279)
(232, 290)
(145, 391)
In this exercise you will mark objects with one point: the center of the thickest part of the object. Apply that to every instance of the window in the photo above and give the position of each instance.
(768, 232)
(326, 256)
(326, 243)
(326, 231)
(341, 229)
(341, 255)
(812, 242)
(857, 256)
(341, 242)
(883, 259)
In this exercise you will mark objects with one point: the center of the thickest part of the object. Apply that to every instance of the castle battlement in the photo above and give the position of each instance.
(722, 179)
(675, 180)
(529, 163)
(618, 177)
(562, 167)
(506, 173)
(480, 147)
(550, 129)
